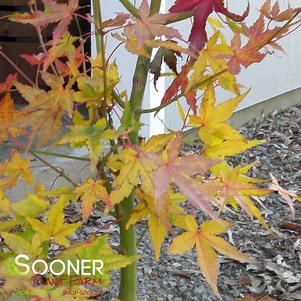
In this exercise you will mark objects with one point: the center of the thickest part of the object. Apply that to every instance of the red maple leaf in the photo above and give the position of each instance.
(202, 9)
(180, 83)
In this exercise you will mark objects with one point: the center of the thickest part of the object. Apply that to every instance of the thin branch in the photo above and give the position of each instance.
(155, 6)
(47, 153)
(44, 48)
(81, 41)
(34, 153)
(158, 108)
(16, 67)
(60, 172)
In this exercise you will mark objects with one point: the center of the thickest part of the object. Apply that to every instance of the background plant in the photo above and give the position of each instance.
(132, 179)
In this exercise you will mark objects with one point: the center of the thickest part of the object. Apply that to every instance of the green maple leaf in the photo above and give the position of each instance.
(98, 248)
(83, 133)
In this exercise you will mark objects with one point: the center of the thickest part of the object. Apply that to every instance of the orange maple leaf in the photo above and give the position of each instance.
(206, 243)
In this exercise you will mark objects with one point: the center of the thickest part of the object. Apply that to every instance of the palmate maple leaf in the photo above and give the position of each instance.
(90, 192)
(260, 35)
(219, 137)
(83, 133)
(133, 167)
(207, 243)
(202, 10)
(274, 13)
(45, 110)
(55, 230)
(13, 169)
(213, 56)
(172, 168)
(8, 113)
(91, 87)
(237, 189)
(151, 25)
(97, 247)
(181, 83)
(20, 245)
(54, 12)
(146, 210)
(242, 55)
(16, 213)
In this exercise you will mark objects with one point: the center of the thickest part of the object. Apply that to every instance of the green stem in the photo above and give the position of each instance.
(100, 46)
(155, 6)
(97, 23)
(139, 85)
(130, 8)
(117, 99)
(181, 17)
(128, 243)
(103, 55)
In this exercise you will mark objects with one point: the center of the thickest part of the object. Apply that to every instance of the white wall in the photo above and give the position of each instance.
(277, 74)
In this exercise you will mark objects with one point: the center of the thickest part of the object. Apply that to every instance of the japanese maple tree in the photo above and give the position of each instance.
(132, 179)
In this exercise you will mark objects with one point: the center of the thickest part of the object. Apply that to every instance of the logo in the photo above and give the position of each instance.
(21, 265)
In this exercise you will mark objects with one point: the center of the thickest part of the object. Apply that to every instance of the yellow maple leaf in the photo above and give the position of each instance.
(91, 88)
(207, 244)
(16, 213)
(45, 110)
(90, 192)
(237, 189)
(8, 114)
(55, 230)
(20, 245)
(13, 169)
(146, 210)
(213, 56)
(132, 166)
(220, 138)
